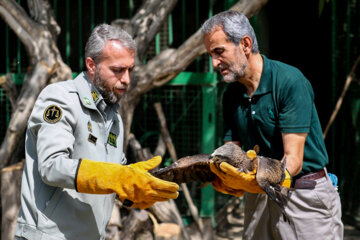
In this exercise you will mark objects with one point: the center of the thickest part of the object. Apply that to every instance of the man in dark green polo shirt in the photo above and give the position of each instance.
(271, 104)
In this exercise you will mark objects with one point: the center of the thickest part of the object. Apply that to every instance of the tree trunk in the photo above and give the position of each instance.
(38, 34)
(10, 198)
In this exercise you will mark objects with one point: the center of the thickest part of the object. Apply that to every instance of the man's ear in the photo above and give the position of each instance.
(246, 43)
(90, 65)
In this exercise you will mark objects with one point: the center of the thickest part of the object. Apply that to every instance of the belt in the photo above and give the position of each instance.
(307, 181)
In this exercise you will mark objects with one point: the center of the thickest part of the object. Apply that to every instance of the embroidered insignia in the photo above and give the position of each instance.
(52, 114)
(112, 139)
(87, 101)
(94, 95)
(92, 139)
(89, 126)
(271, 113)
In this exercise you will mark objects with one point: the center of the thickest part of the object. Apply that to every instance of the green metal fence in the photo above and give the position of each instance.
(189, 101)
(192, 101)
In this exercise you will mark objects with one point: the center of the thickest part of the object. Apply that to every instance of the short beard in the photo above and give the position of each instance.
(108, 95)
(234, 75)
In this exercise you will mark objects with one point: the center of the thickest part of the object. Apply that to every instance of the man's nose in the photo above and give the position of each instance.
(125, 78)
(215, 62)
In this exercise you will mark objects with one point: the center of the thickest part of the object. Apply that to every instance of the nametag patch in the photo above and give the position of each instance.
(52, 114)
(112, 139)
(92, 139)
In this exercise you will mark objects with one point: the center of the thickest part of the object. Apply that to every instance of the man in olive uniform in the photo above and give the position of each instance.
(74, 149)
(271, 104)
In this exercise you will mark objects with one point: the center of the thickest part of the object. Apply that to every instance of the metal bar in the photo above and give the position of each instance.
(194, 78)
(157, 43)
(210, 14)
(7, 55)
(117, 4)
(183, 20)
(333, 77)
(105, 10)
(131, 7)
(80, 47)
(348, 33)
(197, 23)
(18, 52)
(170, 29)
(67, 33)
(208, 144)
(55, 9)
(92, 14)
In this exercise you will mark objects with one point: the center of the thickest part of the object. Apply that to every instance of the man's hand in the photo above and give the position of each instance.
(232, 180)
(288, 179)
(132, 182)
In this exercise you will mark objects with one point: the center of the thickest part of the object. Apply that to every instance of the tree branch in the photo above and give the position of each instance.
(349, 79)
(18, 20)
(147, 22)
(7, 83)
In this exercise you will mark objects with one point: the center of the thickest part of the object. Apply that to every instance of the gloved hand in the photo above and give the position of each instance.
(131, 182)
(229, 180)
(288, 179)
(220, 187)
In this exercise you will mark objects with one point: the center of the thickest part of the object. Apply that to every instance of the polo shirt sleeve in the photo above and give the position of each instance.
(51, 126)
(296, 105)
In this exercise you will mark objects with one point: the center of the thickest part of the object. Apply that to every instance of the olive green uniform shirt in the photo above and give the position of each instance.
(282, 103)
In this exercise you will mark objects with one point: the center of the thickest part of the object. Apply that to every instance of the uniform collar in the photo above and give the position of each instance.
(89, 95)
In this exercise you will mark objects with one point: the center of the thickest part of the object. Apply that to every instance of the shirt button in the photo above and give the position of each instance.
(249, 99)
(253, 112)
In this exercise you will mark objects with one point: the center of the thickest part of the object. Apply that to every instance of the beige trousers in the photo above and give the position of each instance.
(314, 214)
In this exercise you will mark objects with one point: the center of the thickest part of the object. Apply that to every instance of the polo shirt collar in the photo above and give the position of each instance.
(265, 84)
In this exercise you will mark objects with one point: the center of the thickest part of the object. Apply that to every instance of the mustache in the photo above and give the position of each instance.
(222, 66)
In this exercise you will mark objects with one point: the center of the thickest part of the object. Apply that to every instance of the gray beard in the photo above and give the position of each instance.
(234, 76)
(107, 94)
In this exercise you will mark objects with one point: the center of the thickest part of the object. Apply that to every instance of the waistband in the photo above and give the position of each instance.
(308, 181)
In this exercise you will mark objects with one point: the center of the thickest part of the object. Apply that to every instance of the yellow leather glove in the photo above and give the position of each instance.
(220, 187)
(229, 180)
(131, 182)
(288, 179)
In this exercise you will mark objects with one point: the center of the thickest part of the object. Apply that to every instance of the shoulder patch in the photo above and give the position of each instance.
(52, 114)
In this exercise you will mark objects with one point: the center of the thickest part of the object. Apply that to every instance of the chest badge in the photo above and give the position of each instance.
(52, 114)
(92, 139)
(112, 139)
(89, 126)
(94, 95)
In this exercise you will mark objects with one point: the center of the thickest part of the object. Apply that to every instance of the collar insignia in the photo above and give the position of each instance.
(94, 95)
(87, 101)
(112, 139)
(89, 126)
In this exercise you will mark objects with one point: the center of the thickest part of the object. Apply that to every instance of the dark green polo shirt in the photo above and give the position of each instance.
(282, 103)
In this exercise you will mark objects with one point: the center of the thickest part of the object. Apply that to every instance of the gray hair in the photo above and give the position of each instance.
(234, 24)
(103, 33)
